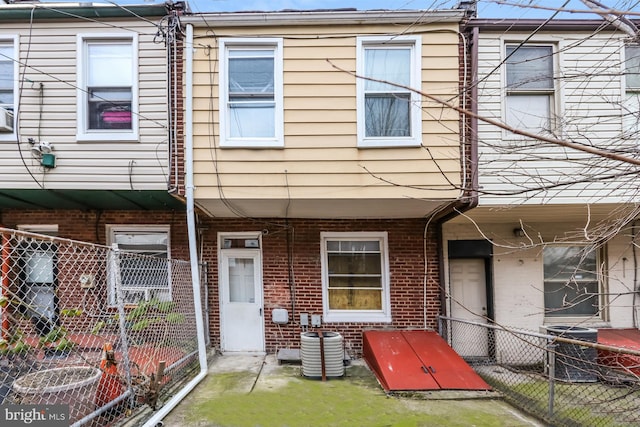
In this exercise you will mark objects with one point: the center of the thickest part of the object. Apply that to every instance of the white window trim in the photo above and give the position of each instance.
(378, 316)
(11, 136)
(82, 131)
(111, 229)
(557, 104)
(225, 140)
(415, 140)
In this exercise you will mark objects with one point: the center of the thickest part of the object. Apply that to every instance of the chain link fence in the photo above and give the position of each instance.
(108, 332)
(561, 378)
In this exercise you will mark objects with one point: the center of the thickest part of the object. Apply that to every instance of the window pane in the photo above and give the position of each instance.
(631, 115)
(355, 299)
(529, 112)
(570, 281)
(252, 120)
(6, 75)
(143, 260)
(530, 67)
(110, 108)
(110, 64)
(632, 67)
(241, 280)
(387, 115)
(388, 64)
(251, 76)
(354, 264)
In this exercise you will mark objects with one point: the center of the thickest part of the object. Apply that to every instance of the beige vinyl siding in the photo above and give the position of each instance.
(50, 51)
(588, 95)
(320, 158)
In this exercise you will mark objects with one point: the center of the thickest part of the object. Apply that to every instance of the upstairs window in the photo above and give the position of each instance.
(108, 90)
(388, 115)
(251, 93)
(8, 81)
(530, 92)
(631, 105)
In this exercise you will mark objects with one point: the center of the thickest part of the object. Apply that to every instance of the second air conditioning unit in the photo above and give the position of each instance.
(6, 120)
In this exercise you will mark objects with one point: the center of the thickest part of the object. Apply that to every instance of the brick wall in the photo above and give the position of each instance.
(301, 239)
(298, 292)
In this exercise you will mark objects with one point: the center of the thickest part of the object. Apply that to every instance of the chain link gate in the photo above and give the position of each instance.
(109, 333)
(563, 381)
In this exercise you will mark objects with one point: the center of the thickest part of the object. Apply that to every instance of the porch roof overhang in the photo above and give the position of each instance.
(36, 199)
(324, 208)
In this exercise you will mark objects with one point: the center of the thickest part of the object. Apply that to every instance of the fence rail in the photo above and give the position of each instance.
(105, 331)
(559, 378)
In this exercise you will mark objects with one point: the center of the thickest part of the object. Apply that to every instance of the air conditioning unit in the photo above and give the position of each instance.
(6, 120)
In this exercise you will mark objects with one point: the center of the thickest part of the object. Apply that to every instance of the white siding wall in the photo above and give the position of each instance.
(518, 273)
(589, 90)
(49, 53)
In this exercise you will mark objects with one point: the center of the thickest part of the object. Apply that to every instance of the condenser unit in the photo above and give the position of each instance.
(6, 120)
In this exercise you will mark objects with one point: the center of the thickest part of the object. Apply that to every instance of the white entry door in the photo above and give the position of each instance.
(241, 309)
(468, 302)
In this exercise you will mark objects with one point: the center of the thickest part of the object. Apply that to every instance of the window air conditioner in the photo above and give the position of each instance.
(6, 120)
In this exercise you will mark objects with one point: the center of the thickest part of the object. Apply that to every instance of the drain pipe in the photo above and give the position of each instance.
(193, 244)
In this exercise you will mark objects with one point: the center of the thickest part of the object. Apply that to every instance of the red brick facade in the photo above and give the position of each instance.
(297, 239)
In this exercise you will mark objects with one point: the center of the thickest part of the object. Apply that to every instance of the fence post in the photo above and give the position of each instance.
(114, 273)
(551, 357)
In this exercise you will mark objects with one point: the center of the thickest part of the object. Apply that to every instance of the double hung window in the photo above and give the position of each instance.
(530, 95)
(389, 111)
(251, 93)
(8, 81)
(108, 91)
(571, 282)
(631, 107)
(355, 277)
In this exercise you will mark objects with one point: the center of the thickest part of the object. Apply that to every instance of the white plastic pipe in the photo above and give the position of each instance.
(191, 229)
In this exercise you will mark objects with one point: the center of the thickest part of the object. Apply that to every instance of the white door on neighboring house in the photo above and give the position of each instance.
(469, 302)
(241, 308)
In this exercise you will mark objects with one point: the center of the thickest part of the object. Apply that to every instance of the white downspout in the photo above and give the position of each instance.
(191, 229)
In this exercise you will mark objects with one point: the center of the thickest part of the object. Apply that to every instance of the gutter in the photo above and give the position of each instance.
(323, 17)
(193, 244)
(511, 25)
(42, 11)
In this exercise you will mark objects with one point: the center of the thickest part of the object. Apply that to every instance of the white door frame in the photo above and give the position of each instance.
(257, 306)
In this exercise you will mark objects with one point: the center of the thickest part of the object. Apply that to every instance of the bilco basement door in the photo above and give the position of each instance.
(417, 360)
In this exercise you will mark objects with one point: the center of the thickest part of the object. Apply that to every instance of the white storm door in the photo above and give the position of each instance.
(468, 302)
(241, 311)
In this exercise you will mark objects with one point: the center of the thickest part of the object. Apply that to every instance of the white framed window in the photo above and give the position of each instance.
(107, 87)
(388, 115)
(530, 88)
(355, 277)
(144, 252)
(251, 93)
(572, 282)
(631, 105)
(8, 87)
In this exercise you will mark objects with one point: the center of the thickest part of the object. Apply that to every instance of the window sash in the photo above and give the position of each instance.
(7, 79)
(632, 68)
(529, 68)
(571, 282)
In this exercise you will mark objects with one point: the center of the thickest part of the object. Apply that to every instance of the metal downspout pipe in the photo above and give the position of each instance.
(193, 244)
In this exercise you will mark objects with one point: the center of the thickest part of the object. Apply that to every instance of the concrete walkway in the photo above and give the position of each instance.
(257, 391)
